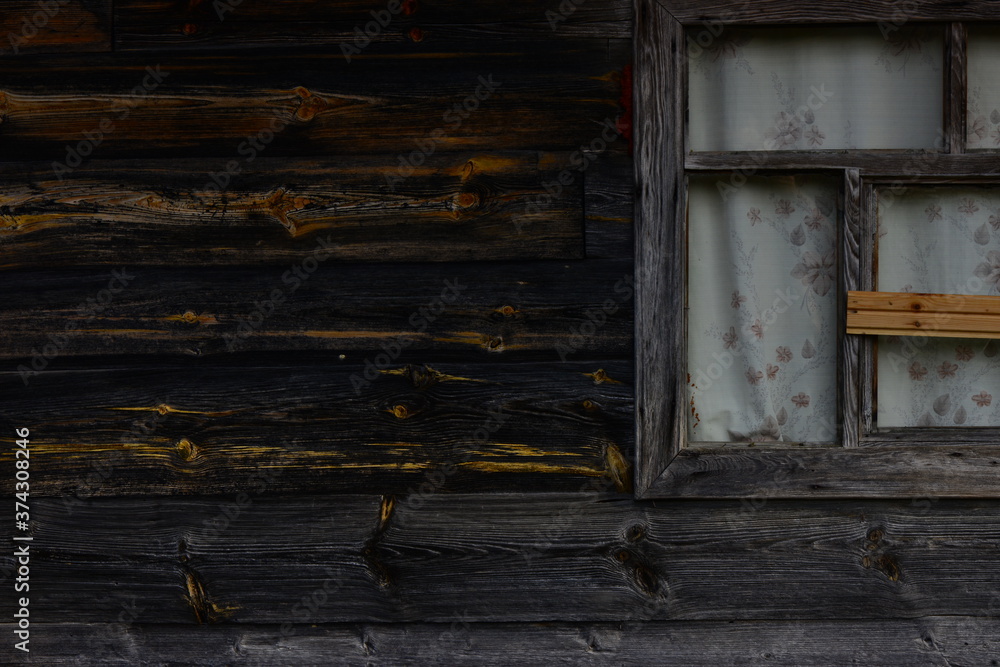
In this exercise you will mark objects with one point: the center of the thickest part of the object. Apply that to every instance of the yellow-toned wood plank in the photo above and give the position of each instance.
(909, 314)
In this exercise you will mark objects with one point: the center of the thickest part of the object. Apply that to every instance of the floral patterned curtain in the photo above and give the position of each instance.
(983, 128)
(762, 320)
(940, 240)
(815, 88)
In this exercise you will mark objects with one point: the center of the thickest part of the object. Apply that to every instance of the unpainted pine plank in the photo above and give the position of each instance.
(259, 211)
(157, 429)
(933, 640)
(54, 26)
(587, 556)
(911, 314)
(352, 27)
(470, 96)
(496, 310)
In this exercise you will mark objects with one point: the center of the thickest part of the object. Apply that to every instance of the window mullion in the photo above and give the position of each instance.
(956, 87)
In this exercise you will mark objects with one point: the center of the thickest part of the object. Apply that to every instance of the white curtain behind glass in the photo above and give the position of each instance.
(984, 88)
(943, 241)
(762, 296)
(815, 88)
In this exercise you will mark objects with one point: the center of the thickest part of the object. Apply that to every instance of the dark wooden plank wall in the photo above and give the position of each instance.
(366, 397)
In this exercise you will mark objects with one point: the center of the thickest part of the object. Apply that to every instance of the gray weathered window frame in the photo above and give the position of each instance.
(864, 463)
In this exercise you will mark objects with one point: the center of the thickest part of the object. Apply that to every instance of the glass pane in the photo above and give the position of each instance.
(983, 130)
(815, 88)
(762, 320)
(943, 240)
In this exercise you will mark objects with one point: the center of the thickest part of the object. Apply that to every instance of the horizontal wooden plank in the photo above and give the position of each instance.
(906, 166)
(504, 557)
(54, 26)
(198, 429)
(499, 310)
(961, 640)
(912, 314)
(608, 205)
(892, 12)
(938, 462)
(297, 102)
(351, 26)
(251, 211)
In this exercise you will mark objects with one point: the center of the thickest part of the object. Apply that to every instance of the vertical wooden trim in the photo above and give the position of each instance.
(956, 87)
(848, 377)
(659, 241)
(868, 264)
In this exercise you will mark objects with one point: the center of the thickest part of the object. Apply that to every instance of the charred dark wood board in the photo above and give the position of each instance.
(54, 26)
(609, 206)
(154, 429)
(351, 27)
(526, 96)
(591, 556)
(496, 310)
(889, 643)
(257, 211)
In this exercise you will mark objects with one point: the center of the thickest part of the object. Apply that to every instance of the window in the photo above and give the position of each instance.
(817, 249)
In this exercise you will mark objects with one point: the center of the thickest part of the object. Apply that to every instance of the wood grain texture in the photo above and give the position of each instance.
(500, 558)
(660, 219)
(926, 462)
(56, 26)
(849, 369)
(696, 12)
(932, 640)
(494, 310)
(156, 428)
(868, 262)
(472, 97)
(609, 204)
(957, 86)
(913, 314)
(274, 211)
(157, 24)
(914, 164)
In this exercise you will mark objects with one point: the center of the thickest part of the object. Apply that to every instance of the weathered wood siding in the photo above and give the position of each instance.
(330, 361)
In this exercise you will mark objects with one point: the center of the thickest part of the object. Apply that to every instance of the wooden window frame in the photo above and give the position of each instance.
(864, 463)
